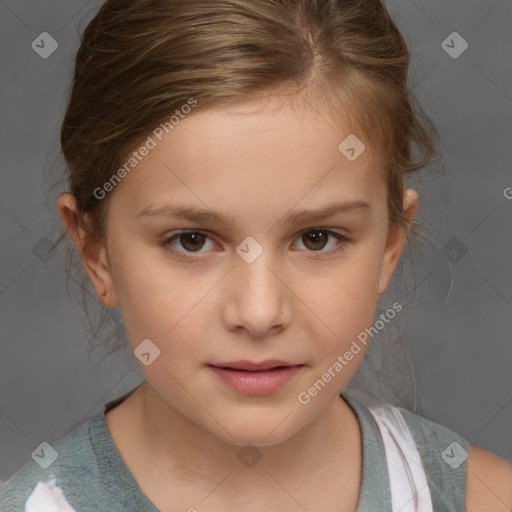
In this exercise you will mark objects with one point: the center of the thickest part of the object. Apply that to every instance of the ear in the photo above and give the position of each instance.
(94, 256)
(396, 239)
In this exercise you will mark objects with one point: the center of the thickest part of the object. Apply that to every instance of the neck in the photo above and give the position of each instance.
(171, 445)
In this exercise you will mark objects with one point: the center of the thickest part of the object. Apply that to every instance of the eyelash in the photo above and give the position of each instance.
(189, 255)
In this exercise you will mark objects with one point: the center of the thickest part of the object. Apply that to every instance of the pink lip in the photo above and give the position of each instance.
(255, 378)
(250, 366)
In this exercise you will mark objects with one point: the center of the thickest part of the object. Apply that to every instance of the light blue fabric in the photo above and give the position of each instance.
(94, 477)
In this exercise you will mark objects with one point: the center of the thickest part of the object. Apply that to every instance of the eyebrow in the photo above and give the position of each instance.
(294, 217)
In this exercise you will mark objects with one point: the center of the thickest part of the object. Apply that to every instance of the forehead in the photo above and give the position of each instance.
(268, 153)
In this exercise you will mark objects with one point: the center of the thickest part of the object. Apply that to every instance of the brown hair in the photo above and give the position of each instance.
(141, 60)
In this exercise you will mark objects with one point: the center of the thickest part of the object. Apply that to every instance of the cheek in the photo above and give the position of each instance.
(170, 316)
(155, 301)
(344, 299)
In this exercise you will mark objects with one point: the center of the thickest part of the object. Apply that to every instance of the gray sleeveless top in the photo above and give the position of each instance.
(403, 455)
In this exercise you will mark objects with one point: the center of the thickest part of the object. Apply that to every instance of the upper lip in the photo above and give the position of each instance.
(252, 366)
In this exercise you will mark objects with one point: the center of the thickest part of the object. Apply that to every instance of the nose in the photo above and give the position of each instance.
(258, 299)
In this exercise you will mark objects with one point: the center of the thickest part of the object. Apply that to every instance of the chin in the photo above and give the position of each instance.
(268, 432)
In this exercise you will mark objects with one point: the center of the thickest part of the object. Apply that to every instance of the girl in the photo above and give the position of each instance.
(236, 174)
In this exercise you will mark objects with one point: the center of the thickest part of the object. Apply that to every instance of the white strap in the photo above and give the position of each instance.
(409, 487)
(47, 497)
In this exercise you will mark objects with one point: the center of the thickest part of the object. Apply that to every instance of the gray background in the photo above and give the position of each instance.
(459, 334)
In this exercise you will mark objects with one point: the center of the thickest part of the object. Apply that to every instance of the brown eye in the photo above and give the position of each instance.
(187, 242)
(321, 242)
(315, 240)
(192, 241)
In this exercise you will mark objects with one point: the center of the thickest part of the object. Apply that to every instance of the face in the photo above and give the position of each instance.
(266, 274)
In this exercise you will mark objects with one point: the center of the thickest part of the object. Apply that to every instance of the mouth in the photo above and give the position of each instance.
(253, 378)
(250, 366)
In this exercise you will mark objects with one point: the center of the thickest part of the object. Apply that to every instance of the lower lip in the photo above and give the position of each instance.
(256, 383)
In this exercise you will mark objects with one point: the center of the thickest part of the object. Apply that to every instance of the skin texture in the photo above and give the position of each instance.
(253, 166)
(489, 482)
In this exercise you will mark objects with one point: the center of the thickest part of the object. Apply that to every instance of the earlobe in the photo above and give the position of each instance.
(94, 256)
(396, 240)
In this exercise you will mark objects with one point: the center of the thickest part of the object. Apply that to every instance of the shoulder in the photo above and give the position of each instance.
(53, 476)
(442, 457)
(460, 476)
(489, 482)
(434, 437)
(482, 480)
